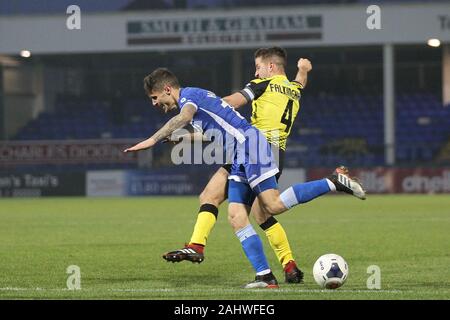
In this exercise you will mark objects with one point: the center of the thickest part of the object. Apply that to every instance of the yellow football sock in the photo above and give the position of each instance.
(279, 243)
(206, 220)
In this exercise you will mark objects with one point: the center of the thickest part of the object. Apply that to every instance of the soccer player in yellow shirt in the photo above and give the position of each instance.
(275, 105)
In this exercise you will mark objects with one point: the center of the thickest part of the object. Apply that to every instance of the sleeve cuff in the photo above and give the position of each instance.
(248, 94)
(301, 86)
(191, 103)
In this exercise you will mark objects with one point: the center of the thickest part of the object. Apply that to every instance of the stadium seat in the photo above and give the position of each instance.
(421, 121)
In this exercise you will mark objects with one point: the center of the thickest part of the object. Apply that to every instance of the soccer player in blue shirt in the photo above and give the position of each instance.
(252, 177)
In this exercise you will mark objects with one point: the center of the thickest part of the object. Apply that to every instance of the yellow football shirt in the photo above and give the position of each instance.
(275, 105)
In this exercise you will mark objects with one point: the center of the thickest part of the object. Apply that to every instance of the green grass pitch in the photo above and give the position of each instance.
(118, 243)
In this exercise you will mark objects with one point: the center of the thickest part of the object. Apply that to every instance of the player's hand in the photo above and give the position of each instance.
(304, 65)
(141, 145)
(132, 149)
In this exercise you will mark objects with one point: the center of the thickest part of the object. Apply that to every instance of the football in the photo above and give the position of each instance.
(330, 271)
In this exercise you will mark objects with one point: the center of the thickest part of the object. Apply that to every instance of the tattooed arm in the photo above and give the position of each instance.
(187, 133)
(177, 122)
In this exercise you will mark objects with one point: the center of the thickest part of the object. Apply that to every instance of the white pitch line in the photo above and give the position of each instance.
(231, 290)
(258, 290)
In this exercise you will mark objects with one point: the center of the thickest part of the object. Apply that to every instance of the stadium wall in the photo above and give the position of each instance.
(213, 29)
(42, 184)
(397, 180)
(178, 181)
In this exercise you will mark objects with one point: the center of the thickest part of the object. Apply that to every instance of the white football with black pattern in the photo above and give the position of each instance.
(330, 271)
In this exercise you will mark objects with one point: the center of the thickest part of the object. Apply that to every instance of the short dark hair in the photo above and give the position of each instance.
(273, 52)
(158, 79)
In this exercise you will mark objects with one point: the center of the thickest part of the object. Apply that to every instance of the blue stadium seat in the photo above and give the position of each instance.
(322, 119)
